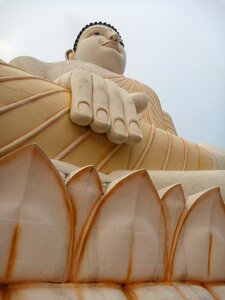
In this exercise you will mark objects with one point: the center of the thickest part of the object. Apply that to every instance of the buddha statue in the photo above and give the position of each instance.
(110, 107)
(71, 232)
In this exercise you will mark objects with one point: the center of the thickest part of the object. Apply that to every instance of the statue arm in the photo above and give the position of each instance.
(30, 65)
(49, 71)
(43, 110)
(169, 123)
(95, 101)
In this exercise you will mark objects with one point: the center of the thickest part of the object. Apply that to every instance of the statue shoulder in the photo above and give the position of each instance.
(53, 70)
(29, 64)
(47, 70)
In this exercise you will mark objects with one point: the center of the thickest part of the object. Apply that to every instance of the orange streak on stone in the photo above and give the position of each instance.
(13, 252)
(209, 253)
(79, 293)
(174, 243)
(181, 293)
(130, 295)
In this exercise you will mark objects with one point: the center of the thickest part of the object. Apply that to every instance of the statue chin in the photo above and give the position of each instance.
(110, 61)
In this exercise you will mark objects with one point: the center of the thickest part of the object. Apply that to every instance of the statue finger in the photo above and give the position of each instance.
(118, 130)
(134, 132)
(81, 99)
(140, 100)
(101, 120)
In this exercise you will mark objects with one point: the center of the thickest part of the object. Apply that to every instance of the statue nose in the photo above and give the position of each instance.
(114, 36)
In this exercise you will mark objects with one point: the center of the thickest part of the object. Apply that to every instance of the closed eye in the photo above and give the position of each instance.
(96, 33)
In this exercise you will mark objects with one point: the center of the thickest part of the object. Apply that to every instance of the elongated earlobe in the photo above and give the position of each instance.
(69, 54)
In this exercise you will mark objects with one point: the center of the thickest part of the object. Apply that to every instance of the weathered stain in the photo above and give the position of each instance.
(13, 252)
(37, 153)
(79, 293)
(83, 238)
(91, 220)
(78, 240)
(209, 254)
(130, 295)
(181, 293)
(175, 242)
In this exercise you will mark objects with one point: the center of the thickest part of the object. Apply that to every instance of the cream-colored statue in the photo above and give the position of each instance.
(79, 234)
(96, 101)
(93, 67)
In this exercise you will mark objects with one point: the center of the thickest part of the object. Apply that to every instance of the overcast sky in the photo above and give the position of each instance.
(177, 47)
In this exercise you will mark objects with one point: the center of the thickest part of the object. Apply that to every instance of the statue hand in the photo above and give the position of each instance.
(107, 108)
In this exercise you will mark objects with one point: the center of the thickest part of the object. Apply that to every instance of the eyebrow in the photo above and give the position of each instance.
(106, 28)
(93, 28)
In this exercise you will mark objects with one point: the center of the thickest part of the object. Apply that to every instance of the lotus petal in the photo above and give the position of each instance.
(151, 291)
(48, 291)
(217, 290)
(190, 291)
(35, 219)
(85, 191)
(127, 238)
(173, 201)
(200, 248)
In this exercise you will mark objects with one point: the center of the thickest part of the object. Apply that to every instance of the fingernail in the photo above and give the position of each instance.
(102, 116)
(84, 109)
(134, 128)
(120, 127)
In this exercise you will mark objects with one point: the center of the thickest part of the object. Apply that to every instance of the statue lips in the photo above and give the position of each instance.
(112, 44)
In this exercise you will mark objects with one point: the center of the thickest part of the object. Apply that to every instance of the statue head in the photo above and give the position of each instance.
(99, 43)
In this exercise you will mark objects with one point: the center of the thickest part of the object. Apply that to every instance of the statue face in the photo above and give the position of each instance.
(102, 46)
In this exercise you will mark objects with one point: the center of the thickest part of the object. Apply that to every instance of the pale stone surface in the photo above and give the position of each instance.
(37, 111)
(192, 181)
(89, 73)
(35, 213)
(170, 292)
(129, 232)
(85, 227)
(51, 291)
